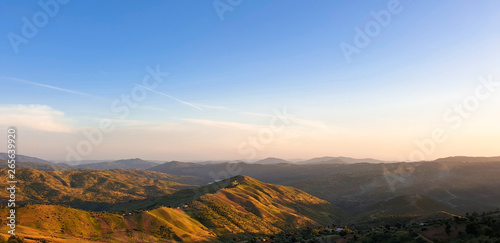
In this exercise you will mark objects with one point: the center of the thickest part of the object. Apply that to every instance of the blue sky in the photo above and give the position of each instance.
(263, 56)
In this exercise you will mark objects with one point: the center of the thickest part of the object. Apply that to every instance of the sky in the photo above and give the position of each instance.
(223, 80)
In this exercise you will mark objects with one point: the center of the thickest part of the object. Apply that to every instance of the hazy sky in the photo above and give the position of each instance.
(390, 80)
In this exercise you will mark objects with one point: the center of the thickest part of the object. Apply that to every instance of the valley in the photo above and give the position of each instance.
(181, 201)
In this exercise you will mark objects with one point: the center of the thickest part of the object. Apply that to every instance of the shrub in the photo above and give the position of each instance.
(16, 239)
(164, 232)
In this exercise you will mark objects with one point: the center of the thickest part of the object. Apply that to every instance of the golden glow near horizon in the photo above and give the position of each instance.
(469, 128)
(339, 79)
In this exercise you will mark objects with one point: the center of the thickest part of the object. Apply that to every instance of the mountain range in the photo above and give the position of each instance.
(120, 164)
(238, 206)
(24, 158)
(238, 201)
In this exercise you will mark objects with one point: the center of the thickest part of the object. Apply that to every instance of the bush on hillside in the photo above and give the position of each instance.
(16, 239)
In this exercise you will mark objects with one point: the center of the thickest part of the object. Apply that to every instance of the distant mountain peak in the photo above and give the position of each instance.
(24, 158)
(135, 163)
(243, 179)
(271, 160)
(339, 160)
(468, 159)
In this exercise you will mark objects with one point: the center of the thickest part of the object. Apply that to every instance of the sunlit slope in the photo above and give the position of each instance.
(64, 224)
(247, 205)
(237, 207)
(91, 189)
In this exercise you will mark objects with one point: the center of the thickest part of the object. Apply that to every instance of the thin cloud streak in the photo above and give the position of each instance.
(223, 124)
(215, 107)
(171, 97)
(52, 87)
(304, 122)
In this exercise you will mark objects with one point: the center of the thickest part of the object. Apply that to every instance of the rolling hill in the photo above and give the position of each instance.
(64, 224)
(246, 192)
(93, 189)
(464, 186)
(400, 209)
(246, 205)
(38, 166)
(461, 185)
(237, 207)
(339, 160)
(468, 159)
(271, 160)
(120, 164)
(24, 158)
(301, 195)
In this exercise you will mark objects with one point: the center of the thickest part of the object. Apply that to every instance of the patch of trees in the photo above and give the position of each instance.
(164, 232)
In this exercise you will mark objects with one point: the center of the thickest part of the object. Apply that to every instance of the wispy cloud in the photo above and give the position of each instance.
(154, 108)
(215, 107)
(304, 122)
(35, 117)
(69, 91)
(171, 97)
(223, 124)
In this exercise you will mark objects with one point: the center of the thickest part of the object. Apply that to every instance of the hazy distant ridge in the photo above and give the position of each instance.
(24, 158)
